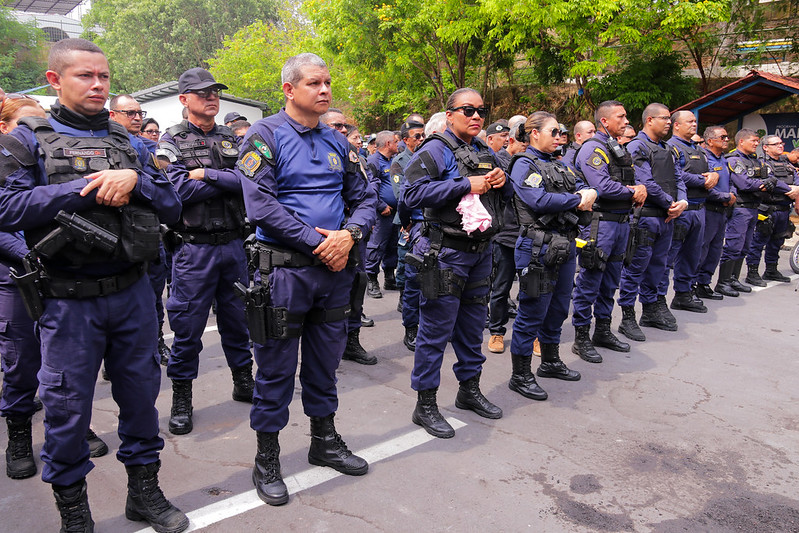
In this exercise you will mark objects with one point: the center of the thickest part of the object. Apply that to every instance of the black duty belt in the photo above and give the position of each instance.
(694, 206)
(659, 212)
(614, 217)
(217, 239)
(715, 208)
(91, 288)
(465, 245)
(746, 205)
(780, 207)
(271, 256)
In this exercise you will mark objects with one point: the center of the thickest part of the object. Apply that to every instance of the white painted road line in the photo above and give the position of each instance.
(793, 277)
(241, 503)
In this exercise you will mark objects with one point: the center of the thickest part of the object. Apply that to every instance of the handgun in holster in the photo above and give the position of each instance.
(428, 274)
(28, 285)
(255, 301)
(634, 238)
(534, 280)
(77, 231)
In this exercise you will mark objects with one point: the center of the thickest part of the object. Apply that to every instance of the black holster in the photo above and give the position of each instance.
(535, 280)
(428, 274)
(680, 232)
(28, 285)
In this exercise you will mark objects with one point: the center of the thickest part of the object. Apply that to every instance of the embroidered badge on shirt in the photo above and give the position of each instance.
(250, 163)
(533, 180)
(354, 157)
(228, 148)
(334, 162)
(79, 164)
(595, 161)
(395, 177)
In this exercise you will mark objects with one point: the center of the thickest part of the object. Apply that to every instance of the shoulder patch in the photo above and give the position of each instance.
(738, 167)
(595, 161)
(334, 162)
(354, 157)
(260, 146)
(533, 180)
(249, 163)
(395, 178)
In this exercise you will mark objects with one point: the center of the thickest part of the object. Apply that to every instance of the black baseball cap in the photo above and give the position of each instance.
(196, 79)
(497, 127)
(233, 116)
(409, 125)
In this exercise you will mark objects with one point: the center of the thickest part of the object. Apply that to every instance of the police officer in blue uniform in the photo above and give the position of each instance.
(689, 229)
(453, 266)
(550, 204)
(770, 234)
(91, 297)
(209, 256)
(718, 204)
(608, 168)
(751, 178)
(382, 246)
(299, 177)
(655, 168)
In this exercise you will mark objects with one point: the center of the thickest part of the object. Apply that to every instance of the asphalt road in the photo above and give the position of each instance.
(694, 430)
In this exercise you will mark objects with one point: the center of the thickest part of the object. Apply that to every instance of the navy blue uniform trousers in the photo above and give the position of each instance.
(300, 290)
(712, 244)
(684, 255)
(410, 298)
(738, 236)
(157, 271)
(76, 336)
(642, 277)
(770, 242)
(382, 245)
(200, 274)
(504, 272)
(449, 318)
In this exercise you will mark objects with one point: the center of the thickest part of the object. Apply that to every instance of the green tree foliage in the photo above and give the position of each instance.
(153, 41)
(646, 79)
(23, 60)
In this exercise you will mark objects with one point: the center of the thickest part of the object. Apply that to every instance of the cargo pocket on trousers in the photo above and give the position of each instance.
(53, 395)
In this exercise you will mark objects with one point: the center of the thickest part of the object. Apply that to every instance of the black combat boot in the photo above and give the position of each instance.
(522, 379)
(389, 281)
(663, 309)
(687, 301)
(146, 501)
(243, 384)
(355, 352)
(180, 421)
(703, 291)
(266, 474)
(19, 453)
(583, 346)
(428, 416)
(606, 339)
(652, 317)
(97, 446)
(163, 349)
(469, 397)
(772, 274)
(409, 340)
(724, 283)
(753, 276)
(736, 274)
(72, 502)
(629, 325)
(328, 448)
(373, 287)
(552, 367)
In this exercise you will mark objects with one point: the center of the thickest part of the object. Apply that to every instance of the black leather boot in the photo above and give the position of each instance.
(723, 285)
(470, 397)
(373, 287)
(409, 340)
(329, 449)
(663, 309)
(522, 379)
(72, 502)
(552, 367)
(180, 421)
(629, 325)
(652, 317)
(703, 291)
(389, 281)
(97, 447)
(243, 383)
(772, 274)
(19, 453)
(355, 352)
(606, 339)
(753, 276)
(583, 346)
(266, 474)
(146, 501)
(427, 415)
(686, 301)
(163, 349)
(736, 274)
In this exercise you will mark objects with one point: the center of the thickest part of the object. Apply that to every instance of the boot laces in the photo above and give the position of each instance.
(340, 446)
(181, 403)
(153, 496)
(73, 516)
(19, 442)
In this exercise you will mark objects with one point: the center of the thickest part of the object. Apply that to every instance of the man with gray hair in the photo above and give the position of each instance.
(300, 181)
(583, 131)
(382, 245)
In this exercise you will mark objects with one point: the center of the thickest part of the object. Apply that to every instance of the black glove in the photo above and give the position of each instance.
(769, 184)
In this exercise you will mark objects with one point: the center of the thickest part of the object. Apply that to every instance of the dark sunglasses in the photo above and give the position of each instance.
(338, 125)
(420, 136)
(205, 93)
(470, 110)
(15, 96)
(131, 114)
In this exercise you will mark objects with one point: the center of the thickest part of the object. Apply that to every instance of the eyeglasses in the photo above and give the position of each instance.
(338, 125)
(419, 136)
(15, 96)
(663, 117)
(555, 132)
(775, 144)
(723, 138)
(470, 110)
(205, 93)
(131, 114)
(151, 132)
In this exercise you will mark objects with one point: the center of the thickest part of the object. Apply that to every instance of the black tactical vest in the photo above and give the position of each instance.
(69, 158)
(621, 171)
(471, 162)
(695, 163)
(661, 161)
(754, 168)
(555, 178)
(782, 169)
(225, 211)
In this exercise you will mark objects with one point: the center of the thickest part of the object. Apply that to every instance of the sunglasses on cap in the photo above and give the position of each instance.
(470, 110)
(15, 96)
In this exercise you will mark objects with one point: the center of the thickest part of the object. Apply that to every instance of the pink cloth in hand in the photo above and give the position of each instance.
(475, 216)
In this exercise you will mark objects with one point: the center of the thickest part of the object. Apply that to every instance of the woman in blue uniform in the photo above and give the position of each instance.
(549, 201)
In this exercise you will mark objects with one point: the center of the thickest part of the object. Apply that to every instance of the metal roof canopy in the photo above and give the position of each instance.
(171, 88)
(732, 102)
(47, 7)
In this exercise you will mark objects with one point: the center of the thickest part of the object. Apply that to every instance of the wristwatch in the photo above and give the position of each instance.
(355, 232)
